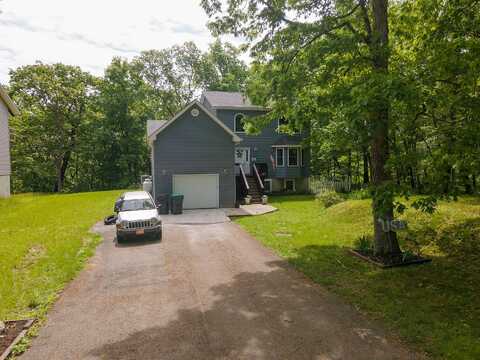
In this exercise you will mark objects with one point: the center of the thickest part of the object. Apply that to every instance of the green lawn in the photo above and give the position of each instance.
(435, 307)
(44, 242)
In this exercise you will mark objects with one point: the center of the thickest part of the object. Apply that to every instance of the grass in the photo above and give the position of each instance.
(44, 242)
(434, 307)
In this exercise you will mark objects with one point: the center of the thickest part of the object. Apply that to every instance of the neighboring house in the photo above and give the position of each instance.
(204, 153)
(7, 108)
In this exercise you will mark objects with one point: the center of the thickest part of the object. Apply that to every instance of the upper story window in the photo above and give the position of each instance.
(239, 123)
(293, 156)
(280, 161)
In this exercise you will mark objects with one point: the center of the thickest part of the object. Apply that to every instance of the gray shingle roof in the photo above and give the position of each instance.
(154, 125)
(225, 99)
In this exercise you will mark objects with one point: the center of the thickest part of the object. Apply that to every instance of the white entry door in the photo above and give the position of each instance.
(200, 191)
(242, 157)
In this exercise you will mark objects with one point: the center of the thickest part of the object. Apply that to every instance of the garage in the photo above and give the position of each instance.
(200, 191)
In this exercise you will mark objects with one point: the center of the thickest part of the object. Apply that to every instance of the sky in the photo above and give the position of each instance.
(89, 33)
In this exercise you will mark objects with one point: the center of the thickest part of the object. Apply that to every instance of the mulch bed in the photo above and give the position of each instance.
(13, 332)
(388, 263)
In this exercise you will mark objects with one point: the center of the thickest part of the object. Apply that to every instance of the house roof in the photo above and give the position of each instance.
(159, 127)
(8, 102)
(229, 100)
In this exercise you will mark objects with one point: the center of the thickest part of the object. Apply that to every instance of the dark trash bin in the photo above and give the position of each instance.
(176, 202)
(163, 201)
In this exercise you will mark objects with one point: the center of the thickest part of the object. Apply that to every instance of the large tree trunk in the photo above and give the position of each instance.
(385, 241)
(61, 171)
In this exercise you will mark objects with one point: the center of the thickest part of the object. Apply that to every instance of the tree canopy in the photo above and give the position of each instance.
(80, 132)
(392, 86)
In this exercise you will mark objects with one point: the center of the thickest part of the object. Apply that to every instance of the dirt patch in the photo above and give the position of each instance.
(11, 334)
(389, 263)
(34, 253)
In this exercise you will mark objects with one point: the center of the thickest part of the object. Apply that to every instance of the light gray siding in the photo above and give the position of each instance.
(195, 145)
(261, 145)
(4, 140)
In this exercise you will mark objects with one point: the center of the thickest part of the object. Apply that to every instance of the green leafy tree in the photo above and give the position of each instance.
(119, 136)
(222, 69)
(330, 52)
(171, 76)
(437, 51)
(55, 102)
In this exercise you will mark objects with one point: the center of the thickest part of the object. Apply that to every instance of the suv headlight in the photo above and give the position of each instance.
(154, 221)
(122, 224)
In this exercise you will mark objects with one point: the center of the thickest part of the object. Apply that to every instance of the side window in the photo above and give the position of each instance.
(290, 185)
(239, 123)
(293, 156)
(280, 157)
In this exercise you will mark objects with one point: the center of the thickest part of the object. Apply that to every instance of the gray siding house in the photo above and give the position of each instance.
(205, 154)
(7, 108)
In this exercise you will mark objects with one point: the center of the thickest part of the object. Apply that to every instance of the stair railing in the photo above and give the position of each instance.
(244, 177)
(257, 175)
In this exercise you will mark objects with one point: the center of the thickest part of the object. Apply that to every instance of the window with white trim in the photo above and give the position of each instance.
(280, 157)
(289, 184)
(293, 156)
(239, 123)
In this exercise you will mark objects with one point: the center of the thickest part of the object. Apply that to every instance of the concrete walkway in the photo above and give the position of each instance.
(197, 217)
(204, 292)
(216, 216)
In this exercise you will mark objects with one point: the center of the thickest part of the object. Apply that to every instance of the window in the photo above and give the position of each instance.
(293, 156)
(289, 184)
(280, 160)
(267, 183)
(137, 204)
(239, 123)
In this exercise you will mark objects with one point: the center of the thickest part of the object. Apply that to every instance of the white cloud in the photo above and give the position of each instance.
(89, 33)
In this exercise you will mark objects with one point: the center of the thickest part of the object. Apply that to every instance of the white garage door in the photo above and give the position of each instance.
(200, 191)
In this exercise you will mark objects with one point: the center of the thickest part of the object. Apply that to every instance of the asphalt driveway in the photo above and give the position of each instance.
(206, 291)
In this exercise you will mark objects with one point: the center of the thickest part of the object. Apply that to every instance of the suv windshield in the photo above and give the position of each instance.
(137, 204)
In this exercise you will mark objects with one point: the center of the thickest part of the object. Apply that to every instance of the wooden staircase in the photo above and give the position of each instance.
(255, 191)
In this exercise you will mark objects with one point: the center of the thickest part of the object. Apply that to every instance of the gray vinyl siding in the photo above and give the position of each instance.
(4, 141)
(195, 145)
(261, 145)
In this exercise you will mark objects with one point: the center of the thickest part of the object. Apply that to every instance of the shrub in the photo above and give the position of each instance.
(361, 194)
(363, 243)
(329, 198)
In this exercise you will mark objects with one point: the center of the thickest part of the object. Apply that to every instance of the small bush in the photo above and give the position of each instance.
(361, 194)
(329, 198)
(363, 243)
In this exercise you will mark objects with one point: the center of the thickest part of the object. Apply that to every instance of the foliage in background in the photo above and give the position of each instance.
(56, 105)
(432, 88)
(81, 133)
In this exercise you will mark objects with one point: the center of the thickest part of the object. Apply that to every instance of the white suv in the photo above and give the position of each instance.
(137, 216)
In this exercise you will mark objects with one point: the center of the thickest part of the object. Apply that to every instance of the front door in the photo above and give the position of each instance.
(242, 157)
